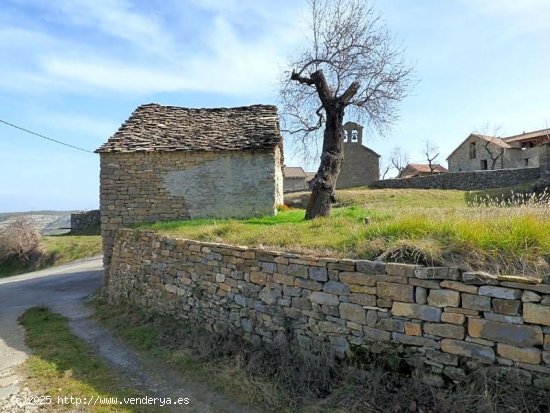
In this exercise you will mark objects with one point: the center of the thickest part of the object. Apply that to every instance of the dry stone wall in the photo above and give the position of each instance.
(449, 322)
(85, 219)
(465, 180)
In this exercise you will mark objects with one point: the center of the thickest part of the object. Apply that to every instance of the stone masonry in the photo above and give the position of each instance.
(172, 163)
(85, 219)
(465, 180)
(451, 322)
(361, 164)
(160, 186)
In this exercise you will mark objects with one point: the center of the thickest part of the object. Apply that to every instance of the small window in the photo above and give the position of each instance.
(531, 144)
(526, 160)
(473, 150)
(484, 164)
(354, 135)
(345, 136)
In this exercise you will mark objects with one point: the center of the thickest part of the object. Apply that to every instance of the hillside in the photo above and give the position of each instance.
(45, 222)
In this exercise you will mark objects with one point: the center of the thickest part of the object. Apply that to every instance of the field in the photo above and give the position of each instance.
(501, 233)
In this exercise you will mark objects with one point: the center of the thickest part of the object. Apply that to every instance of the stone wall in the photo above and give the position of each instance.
(295, 184)
(153, 186)
(465, 180)
(450, 322)
(85, 219)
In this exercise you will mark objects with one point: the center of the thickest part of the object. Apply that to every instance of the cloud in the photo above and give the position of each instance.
(224, 56)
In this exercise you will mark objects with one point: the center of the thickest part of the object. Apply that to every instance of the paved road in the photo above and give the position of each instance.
(63, 285)
(64, 289)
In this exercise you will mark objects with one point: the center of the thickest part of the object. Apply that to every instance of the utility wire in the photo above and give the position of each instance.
(44, 137)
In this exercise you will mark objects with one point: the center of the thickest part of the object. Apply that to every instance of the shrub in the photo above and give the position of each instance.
(19, 240)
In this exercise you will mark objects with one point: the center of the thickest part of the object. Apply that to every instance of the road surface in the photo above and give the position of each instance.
(64, 290)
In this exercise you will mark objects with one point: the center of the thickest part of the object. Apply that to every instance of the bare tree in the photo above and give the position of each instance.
(19, 239)
(432, 152)
(385, 168)
(351, 62)
(494, 151)
(399, 159)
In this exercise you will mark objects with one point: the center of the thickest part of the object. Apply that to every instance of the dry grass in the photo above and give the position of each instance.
(280, 379)
(508, 236)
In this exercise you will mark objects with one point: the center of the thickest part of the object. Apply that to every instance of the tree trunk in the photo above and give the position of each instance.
(323, 193)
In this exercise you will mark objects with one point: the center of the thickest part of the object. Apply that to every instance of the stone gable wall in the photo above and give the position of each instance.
(295, 184)
(449, 321)
(464, 180)
(153, 186)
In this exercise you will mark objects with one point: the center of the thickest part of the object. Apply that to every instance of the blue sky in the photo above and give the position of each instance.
(75, 70)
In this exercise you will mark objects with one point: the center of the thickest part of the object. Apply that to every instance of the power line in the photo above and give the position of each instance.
(44, 137)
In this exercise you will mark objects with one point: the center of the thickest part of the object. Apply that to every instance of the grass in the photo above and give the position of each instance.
(431, 227)
(284, 380)
(63, 365)
(55, 250)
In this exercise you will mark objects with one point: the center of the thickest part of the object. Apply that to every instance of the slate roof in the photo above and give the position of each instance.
(154, 127)
(294, 172)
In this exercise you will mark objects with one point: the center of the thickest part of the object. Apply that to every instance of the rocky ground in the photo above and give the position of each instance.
(46, 222)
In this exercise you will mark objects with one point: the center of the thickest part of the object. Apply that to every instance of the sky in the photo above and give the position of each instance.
(74, 70)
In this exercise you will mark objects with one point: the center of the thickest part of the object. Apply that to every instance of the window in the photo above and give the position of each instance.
(354, 135)
(345, 136)
(526, 160)
(472, 150)
(484, 164)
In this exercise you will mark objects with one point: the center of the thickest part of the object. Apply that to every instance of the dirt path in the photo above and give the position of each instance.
(64, 290)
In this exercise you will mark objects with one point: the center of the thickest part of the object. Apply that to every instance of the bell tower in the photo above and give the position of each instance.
(353, 133)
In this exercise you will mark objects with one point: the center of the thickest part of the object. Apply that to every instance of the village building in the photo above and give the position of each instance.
(169, 163)
(418, 169)
(481, 152)
(295, 179)
(361, 164)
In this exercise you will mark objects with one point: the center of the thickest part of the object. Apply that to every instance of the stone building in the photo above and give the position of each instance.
(295, 179)
(361, 164)
(418, 169)
(481, 152)
(168, 163)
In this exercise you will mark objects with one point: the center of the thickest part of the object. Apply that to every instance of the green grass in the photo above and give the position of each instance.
(63, 365)
(426, 226)
(55, 250)
(67, 248)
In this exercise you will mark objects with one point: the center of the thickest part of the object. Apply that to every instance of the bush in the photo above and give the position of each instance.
(19, 240)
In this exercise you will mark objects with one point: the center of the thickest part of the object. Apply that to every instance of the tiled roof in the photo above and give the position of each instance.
(543, 134)
(420, 167)
(153, 127)
(310, 176)
(493, 139)
(294, 172)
